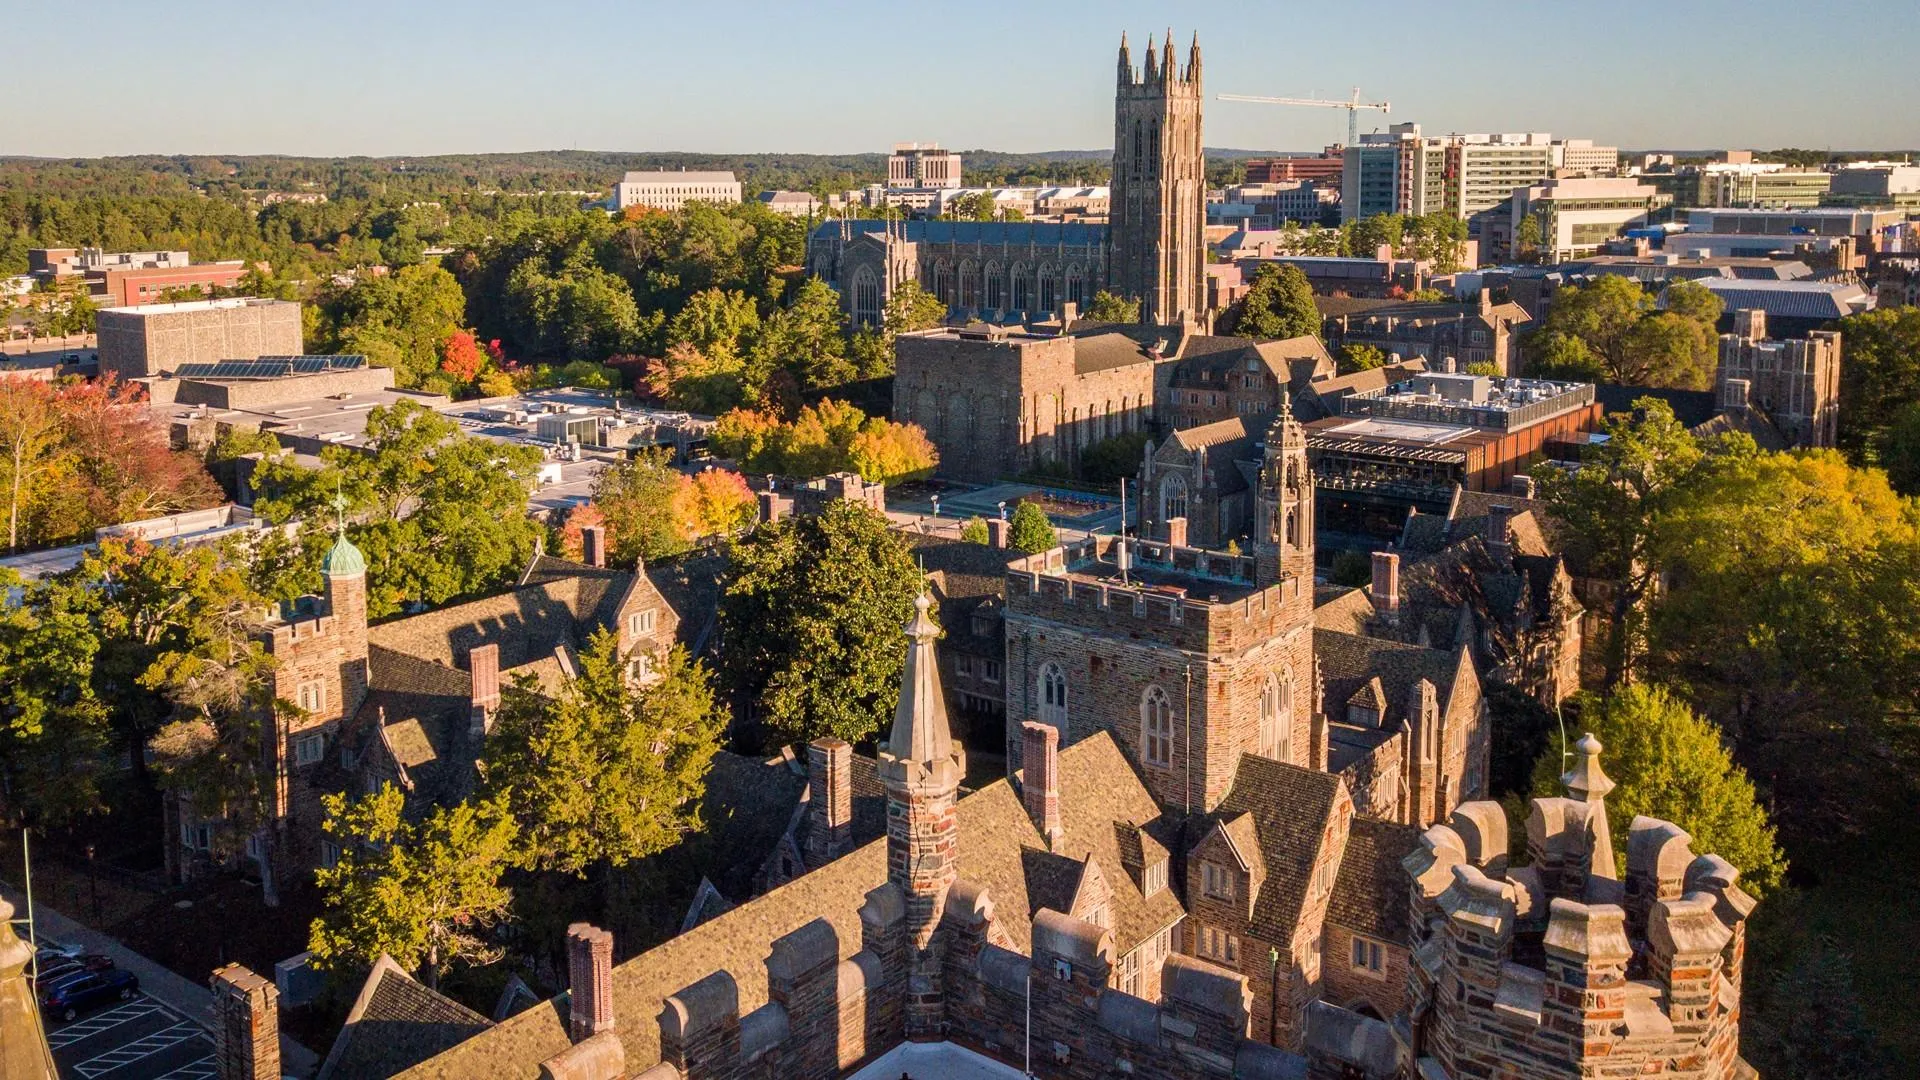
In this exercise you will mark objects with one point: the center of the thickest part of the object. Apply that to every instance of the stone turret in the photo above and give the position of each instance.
(1283, 521)
(1558, 968)
(921, 767)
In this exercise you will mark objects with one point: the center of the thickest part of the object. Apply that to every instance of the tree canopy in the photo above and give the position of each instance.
(610, 768)
(833, 436)
(1278, 304)
(1668, 763)
(1626, 338)
(1030, 531)
(811, 610)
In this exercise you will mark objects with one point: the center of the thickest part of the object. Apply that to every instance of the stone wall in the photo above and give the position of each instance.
(267, 393)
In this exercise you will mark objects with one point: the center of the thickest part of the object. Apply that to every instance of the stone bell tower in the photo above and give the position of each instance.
(1156, 247)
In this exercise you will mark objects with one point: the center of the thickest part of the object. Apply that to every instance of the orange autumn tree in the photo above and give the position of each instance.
(581, 517)
(714, 502)
(833, 436)
(460, 357)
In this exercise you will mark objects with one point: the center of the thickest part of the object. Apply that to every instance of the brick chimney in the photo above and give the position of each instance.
(1177, 531)
(998, 531)
(589, 981)
(1386, 585)
(246, 1025)
(593, 545)
(829, 801)
(1499, 529)
(1040, 779)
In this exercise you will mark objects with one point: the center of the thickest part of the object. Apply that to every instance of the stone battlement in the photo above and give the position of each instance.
(1196, 598)
(1552, 965)
(286, 635)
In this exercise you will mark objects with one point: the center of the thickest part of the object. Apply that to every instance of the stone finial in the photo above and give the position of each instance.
(1588, 783)
(1585, 780)
(1588, 934)
(920, 730)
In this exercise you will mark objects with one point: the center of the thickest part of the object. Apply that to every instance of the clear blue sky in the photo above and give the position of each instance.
(432, 76)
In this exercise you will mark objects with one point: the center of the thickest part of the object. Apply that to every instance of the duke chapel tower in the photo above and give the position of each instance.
(1156, 246)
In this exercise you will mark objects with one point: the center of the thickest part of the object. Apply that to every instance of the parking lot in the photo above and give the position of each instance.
(140, 1039)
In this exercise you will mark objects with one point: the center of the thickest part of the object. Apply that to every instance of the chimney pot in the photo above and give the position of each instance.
(1386, 585)
(1040, 779)
(246, 1035)
(589, 981)
(1499, 527)
(483, 665)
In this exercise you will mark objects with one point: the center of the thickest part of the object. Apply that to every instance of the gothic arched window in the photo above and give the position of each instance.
(1276, 717)
(1173, 497)
(1049, 288)
(969, 284)
(943, 281)
(1053, 696)
(1156, 728)
(866, 296)
(996, 287)
(1022, 288)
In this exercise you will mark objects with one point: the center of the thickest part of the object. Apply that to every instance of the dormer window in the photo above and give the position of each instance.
(1153, 878)
(1216, 881)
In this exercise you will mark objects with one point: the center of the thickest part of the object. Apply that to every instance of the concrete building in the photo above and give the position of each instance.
(153, 339)
(793, 203)
(1370, 173)
(922, 165)
(1580, 157)
(1760, 184)
(1876, 183)
(673, 190)
(1467, 175)
(1269, 205)
(1870, 228)
(1574, 216)
(53, 264)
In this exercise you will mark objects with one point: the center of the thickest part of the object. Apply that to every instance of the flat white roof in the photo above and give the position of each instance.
(1404, 430)
(196, 305)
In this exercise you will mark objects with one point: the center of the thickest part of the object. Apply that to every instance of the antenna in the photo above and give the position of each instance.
(1120, 553)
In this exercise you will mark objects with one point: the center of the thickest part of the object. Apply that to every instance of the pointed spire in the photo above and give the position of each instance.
(1590, 785)
(920, 730)
(1193, 59)
(1166, 64)
(1126, 61)
(1153, 61)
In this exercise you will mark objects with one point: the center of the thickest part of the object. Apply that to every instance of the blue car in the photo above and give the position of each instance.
(83, 991)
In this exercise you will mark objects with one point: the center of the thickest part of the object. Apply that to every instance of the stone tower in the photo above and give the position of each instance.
(1283, 516)
(1156, 244)
(23, 1042)
(921, 768)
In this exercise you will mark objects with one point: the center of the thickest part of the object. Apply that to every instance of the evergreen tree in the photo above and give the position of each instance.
(1108, 307)
(424, 893)
(605, 771)
(975, 531)
(1668, 763)
(1279, 304)
(811, 611)
(1030, 530)
(1810, 1024)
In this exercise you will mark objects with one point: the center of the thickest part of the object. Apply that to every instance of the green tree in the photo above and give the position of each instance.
(1367, 235)
(1562, 356)
(1632, 342)
(1108, 307)
(912, 308)
(811, 609)
(396, 320)
(438, 513)
(1880, 377)
(610, 769)
(1527, 238)
(1361, 357)
(804, 339)
(1668, 763)
(1897, 449)
(718, 322)
(1810, 1022)
(637, 498)
(1030, 531)
(1610, 509)
(54, 730)
(1352, 569)
(425, 893)
(1114, 458)
(1278, 304)
(975, 531)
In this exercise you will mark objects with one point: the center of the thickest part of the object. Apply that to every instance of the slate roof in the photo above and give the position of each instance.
(1690, 407)
(396, 1023)
(1790, 299)
(1286, 808)
(1370, 891)
(1226, 443)
(1206, 359)
(966, 579)
(419, 711)
(1321, 398)
(1098, 787)
(526, 622)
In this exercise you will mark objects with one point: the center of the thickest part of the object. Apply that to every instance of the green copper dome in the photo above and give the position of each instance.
(343, 559)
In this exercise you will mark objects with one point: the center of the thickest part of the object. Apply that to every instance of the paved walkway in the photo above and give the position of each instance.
(190, 999)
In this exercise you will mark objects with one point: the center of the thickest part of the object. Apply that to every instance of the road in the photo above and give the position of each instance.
(141, 1039)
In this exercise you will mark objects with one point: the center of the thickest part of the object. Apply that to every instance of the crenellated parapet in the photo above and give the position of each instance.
(1551, 969)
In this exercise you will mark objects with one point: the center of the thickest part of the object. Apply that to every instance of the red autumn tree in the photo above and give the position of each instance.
(578, 519)
(460, 356)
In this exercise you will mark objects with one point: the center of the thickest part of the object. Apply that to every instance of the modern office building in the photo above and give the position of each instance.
(1574, 216)
(922, 165)
(673, 190)
(1581, 157)
(153, 339)
(1402, 171)
(1327, 166)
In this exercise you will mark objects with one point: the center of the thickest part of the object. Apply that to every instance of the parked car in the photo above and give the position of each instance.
(83, 991)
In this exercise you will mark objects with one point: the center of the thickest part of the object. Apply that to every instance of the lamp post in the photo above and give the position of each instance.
(93, 886)
(936, 504)
(1003, 509)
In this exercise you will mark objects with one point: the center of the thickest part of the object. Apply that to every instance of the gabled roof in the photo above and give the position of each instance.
(418, 712)
(396, 1023)
(1287, 808)
(1227, 444)
(1097, 788)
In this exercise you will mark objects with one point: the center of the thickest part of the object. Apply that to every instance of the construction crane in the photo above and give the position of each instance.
(1353, 106)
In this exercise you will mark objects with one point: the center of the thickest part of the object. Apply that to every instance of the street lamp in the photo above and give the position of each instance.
(93, 886)
(1003, 509)
(936, 504)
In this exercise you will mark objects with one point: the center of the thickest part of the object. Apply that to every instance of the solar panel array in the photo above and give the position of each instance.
(270, 367)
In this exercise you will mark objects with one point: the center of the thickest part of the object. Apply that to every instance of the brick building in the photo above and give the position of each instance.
(1461, 333)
